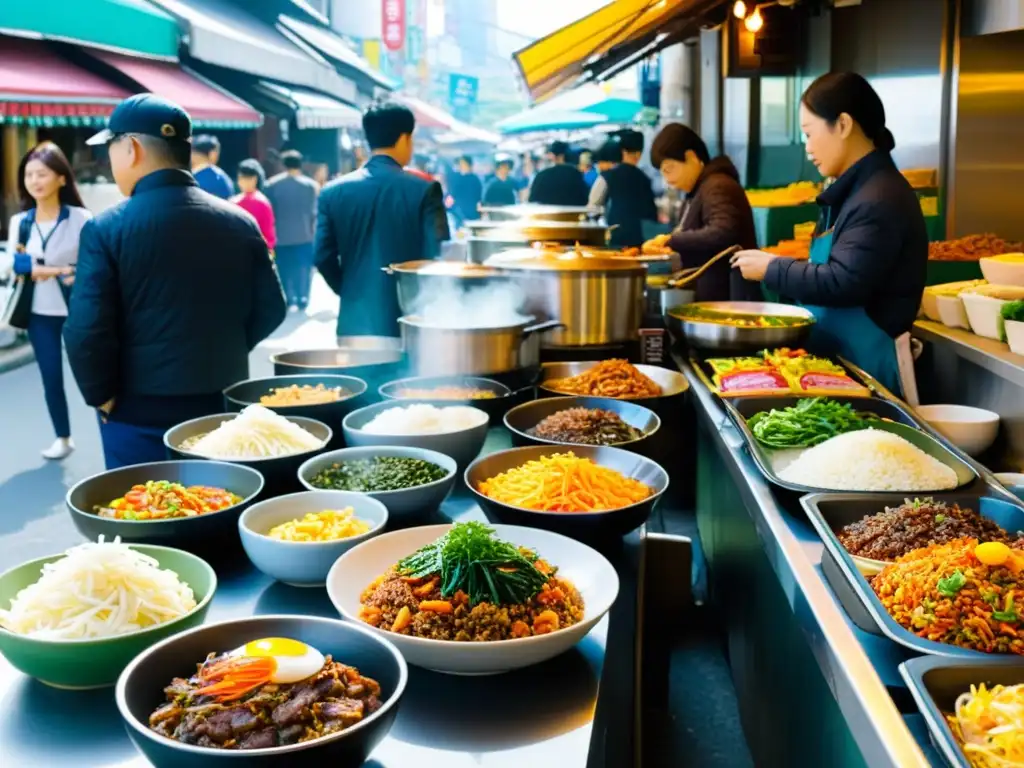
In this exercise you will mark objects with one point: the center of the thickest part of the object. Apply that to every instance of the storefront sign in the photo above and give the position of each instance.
(393, 24)
(462, 95)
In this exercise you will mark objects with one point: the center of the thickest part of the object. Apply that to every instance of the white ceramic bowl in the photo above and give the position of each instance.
(1001, 272)
(952, 313)
(930, 306)
(972, 430)
(304, 563)
(590, 571)
(1015, 335)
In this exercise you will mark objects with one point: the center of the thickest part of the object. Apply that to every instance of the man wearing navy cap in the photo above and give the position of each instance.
(174, 288)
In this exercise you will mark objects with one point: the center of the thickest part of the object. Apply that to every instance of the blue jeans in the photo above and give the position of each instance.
(44, 335)
(295, 266)
(128, 444)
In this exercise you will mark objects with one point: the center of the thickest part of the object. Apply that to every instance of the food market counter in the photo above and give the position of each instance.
(962, 368)
(573, 711)
(813, 689)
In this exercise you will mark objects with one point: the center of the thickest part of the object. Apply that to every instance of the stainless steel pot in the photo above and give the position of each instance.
(441, 351)
(723, 337)
(536, 212)
(427, 277)
(598, 295)
(488, 238)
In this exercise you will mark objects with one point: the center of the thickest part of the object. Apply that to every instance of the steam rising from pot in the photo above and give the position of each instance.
(486, 306)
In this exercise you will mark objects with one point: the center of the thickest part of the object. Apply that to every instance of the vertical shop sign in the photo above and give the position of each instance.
(393, 24)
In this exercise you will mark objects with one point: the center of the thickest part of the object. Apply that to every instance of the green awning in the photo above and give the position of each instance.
(129, 26)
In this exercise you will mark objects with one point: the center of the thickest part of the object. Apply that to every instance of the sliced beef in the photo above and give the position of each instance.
(291, 734)
(261, 739)
(346, 711)
(297, 708)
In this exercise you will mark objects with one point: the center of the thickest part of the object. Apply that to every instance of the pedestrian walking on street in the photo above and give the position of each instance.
(251, 180)
(293, 195)
(501, 190)
(367, 218)
(44, 243)
(465, 191)
(560, 183)
(174, 288)
(211, 177)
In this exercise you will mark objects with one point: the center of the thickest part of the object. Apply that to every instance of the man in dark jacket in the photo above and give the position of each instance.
(371, 218)
(293, 195)
(625, 192)
(466, 191)
(560, 183)
(174, 288)
(502, 189)
(716, 215)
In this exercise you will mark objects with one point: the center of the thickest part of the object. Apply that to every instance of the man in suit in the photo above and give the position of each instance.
(372, 217)
(174, 288)
(561, 183)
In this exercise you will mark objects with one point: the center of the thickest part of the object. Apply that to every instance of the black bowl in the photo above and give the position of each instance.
(140, 691)
(579, 525)
(493, 406)
(238, 396)
(528, 415)
(202, 534)
(374, 366)
(279, 472)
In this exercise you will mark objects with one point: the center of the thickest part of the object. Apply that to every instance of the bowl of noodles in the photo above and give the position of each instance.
(324, 397)
(616, 378)
(580, 490)
(488, 395)
(257, 437)
(191, 505)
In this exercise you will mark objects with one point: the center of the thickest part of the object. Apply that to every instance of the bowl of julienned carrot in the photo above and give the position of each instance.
(579, 490)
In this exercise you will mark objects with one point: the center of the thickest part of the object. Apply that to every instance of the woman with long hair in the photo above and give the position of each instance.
(43, 239)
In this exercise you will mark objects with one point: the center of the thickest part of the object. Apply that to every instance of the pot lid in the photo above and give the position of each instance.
(537, 211)
(527, 230)
(435, 267)
(557, 258)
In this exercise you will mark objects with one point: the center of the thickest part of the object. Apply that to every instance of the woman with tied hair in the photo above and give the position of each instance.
(866, 272)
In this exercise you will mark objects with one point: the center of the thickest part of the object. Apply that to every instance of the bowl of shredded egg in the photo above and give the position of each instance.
(74, 620)
(296, 538)
(458, 431)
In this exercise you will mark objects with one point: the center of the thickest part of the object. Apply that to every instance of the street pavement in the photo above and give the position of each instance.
(33, 519)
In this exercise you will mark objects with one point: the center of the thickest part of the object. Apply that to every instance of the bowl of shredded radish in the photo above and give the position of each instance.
(75, 620)
(257, 437)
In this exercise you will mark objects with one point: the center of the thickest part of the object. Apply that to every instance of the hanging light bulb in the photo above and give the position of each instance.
(754, 21)
(739, 10)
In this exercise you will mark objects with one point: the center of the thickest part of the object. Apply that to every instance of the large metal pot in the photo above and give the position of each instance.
(488, 238)
(433, 278)
(686, 323)
(535, 212)
(598, 295)
(434, 350)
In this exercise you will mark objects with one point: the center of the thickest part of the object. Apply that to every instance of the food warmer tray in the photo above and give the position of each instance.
(901, 423)
(935, 683)
(826, 511)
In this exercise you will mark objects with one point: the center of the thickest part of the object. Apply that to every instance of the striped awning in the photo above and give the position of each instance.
(314, 110)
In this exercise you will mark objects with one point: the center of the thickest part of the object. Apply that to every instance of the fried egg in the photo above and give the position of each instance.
(293, 659)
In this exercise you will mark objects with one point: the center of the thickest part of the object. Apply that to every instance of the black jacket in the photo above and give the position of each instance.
(560, 184)
(174, 288)
(879, 251)
(717, 215)
(630, 202)
(368, 219)
(498, 192)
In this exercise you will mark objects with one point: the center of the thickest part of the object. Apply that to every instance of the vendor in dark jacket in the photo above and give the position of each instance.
(174, 288)
(869, 255)
(561, 183)
(716, 214)
(624, 191)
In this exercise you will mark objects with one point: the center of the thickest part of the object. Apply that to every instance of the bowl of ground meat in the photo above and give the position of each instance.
(452, 601)
(334, 704)
(876, 540)
(582, 421)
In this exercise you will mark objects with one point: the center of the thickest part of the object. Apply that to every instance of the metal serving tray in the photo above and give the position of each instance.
(829, 511)
(935, 684)
(771, 461)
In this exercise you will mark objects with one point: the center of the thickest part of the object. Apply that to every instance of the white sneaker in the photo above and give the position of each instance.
(61, 449)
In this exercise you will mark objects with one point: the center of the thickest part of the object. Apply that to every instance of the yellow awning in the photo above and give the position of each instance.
(562, 57)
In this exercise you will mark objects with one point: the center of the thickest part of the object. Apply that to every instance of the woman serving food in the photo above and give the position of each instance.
(866, 271)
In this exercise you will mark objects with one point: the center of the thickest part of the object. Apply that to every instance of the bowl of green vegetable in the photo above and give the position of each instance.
(408, 481)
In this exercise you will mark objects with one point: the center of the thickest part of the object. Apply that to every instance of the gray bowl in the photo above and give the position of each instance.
(463, 445)
(420, 500)
(374, 366)
(304, 563)
(577, 525)
(526, 416)
(238, 396)
(278, 471)
(140, 690)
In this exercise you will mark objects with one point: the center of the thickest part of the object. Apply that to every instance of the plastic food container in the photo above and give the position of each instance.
(1007, 269)
(952, 313)
(930, 306)
(1015, 335)
(983, 305)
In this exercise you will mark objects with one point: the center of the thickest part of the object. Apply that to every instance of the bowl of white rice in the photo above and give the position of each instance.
(457, 431)
(870, 460)
(75, 620)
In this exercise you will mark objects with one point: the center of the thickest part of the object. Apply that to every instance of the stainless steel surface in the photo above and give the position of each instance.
(585, 232)
(989, 157)
(986, 17)
(959, 367)
(721, 337)
(599, 298)
(546, 714)
(440, 351)
(415, 280)
(671, 382)
(533, 212)
(852, 663)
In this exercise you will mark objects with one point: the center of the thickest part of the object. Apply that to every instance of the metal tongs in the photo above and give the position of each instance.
(688, 275)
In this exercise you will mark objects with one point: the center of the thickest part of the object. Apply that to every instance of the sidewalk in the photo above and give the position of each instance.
(16, 356)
